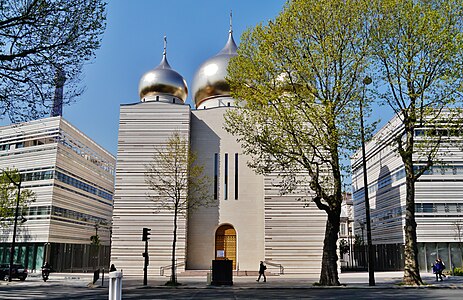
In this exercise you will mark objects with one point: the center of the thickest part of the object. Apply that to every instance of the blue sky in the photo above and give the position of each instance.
(133, 44)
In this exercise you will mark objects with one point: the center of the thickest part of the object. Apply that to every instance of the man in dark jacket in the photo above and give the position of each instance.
(437, 269)
(262, 269)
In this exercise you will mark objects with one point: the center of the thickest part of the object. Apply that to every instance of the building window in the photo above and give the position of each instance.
(216, 174)
(236, 176)
(418, 208)
(226, 177)
(342, 229)
(428, 207)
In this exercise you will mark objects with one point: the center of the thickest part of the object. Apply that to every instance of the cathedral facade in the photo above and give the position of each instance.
(250, 221)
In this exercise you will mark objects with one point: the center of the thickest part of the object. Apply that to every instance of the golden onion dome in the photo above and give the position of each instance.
(209, 81)
(163, 80)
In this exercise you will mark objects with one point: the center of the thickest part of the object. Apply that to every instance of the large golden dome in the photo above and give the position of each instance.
(209, 81)
(163, 80)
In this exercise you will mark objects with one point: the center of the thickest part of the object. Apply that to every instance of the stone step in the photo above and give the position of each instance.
(194, 273)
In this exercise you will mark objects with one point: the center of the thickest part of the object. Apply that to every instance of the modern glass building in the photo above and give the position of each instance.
(438, 199)
(72, 178)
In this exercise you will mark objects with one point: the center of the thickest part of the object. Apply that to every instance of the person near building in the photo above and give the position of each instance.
(438, 268)
(112, 268)
(262, 269)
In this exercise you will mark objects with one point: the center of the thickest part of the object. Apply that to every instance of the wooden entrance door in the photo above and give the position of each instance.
(225, 244)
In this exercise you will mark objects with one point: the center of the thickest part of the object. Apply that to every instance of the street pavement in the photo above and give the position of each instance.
(354, 286)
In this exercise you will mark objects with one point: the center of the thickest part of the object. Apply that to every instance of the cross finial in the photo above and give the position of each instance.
(231, 24)
(165, 45)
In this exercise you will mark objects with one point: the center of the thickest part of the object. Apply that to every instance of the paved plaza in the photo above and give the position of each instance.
(355, 286)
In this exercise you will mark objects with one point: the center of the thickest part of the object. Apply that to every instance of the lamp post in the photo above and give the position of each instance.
(13, 243)
(371, 263)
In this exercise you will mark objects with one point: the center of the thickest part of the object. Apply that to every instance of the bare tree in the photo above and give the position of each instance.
(177, 183)
(42, 44)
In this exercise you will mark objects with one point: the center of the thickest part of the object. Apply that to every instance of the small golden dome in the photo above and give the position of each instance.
(163, 80)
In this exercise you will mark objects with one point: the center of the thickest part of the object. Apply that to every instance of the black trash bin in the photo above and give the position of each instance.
(222, 272)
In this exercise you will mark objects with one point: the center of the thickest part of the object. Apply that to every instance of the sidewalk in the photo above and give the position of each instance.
(384, 280)
(352, 280)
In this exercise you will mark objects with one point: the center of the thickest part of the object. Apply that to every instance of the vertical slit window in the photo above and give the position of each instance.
(216, 174)
(236, 176)
(226, 177)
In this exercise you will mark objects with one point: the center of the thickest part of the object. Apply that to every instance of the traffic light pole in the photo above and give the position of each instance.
(145, 268)
(145, 238)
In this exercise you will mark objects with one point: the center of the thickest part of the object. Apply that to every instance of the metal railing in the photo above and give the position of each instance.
(168, 267)
(279, 266)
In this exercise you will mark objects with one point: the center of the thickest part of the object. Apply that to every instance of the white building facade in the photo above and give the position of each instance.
(73, 181)
(438, 201)
(250, 220)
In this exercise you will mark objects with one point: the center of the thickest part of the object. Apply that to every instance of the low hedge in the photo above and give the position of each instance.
(458, 272)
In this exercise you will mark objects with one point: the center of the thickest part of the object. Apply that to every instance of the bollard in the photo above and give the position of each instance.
(115, 285)
(102, 278)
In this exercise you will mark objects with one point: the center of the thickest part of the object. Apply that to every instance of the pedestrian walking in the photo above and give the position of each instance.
(437, 268)
(262, 269)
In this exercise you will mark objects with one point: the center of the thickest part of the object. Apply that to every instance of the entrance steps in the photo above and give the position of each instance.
(203, 273)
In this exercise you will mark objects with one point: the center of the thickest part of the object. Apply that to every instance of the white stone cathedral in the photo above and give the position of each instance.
(251, 221)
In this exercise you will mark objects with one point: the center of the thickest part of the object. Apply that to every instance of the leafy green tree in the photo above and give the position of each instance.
(44, 43)
(9, 179)
(418, 51)
(300, 81)
(177, 183)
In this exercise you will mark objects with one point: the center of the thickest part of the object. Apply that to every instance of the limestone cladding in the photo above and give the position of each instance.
(243, 210)
(143, 127)
(438, 192)
(294, 229)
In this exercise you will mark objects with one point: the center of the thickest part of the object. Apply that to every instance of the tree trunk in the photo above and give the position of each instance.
(329, 272)
(173, 276)
(411, 269)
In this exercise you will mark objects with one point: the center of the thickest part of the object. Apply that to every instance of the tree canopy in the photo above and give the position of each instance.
(44, 43)
(9, 179)
(417, 50)
(298, 81)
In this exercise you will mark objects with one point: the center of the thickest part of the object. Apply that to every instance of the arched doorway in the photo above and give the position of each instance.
(225, 244)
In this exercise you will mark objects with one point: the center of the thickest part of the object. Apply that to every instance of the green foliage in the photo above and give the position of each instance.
(358, 240)
(9, 179)
(95, 240)
(457, 271)
(300, 81)
(38, 40)
(417, 49)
